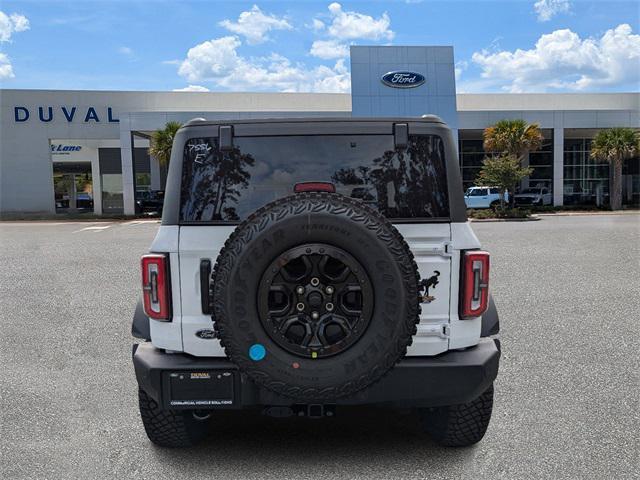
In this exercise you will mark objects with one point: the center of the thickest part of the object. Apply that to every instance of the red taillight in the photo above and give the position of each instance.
(156, 286)
(314, 187)
(474, 284)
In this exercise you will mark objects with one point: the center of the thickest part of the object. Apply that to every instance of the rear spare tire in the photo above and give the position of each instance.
(315, 296)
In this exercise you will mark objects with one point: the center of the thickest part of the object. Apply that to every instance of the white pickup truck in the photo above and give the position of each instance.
(483, 197)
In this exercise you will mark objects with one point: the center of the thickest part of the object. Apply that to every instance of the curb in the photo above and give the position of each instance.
(577, 214)
(488, 220)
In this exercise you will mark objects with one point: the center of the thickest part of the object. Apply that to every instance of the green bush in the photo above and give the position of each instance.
(544, 208)
(515, 213)
(499, 213)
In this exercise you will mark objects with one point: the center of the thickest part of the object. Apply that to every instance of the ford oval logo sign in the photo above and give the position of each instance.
(401, 79)
(206, 334)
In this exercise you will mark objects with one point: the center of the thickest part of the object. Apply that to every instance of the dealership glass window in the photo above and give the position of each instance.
(143, 182)
(112, 200)
(73, 187)
(142, 169)
(541, 161)
(111, 176)
(472, 154)
(586, 181)
(403, 183)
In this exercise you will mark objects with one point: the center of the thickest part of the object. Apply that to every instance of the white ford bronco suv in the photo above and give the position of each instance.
(303, 265)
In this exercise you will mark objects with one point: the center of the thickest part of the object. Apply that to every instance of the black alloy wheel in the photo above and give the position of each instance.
(315, 300)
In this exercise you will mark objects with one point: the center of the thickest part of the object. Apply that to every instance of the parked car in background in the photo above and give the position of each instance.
(534, 196)
(483, 197)
(84, 200)
(150, 201)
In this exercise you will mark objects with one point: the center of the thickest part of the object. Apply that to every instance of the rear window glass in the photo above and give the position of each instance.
(226, 186)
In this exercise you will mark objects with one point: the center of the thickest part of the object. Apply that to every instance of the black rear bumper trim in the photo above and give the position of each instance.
(451, 378)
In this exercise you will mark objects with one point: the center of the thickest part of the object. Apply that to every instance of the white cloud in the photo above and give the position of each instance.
(255, 24)
(328, 49)
(219, 62)
(317, 25)
(352, 25)
(561, 60)
(127, 51)
(192, 88)
(10, 24)
(6, 70)
(20, 22)
(212, 59)
(347, 26)
(547, 9)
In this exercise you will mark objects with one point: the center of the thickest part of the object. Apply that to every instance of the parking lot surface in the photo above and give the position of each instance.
(567, 402)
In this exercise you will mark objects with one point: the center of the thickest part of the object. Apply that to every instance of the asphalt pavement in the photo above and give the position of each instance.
(567, 396)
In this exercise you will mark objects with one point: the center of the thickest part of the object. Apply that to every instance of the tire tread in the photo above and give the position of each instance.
(169, 428)
(316, 202)
(460, 425)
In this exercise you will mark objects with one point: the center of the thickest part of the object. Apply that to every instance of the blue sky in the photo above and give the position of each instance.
(500, 46)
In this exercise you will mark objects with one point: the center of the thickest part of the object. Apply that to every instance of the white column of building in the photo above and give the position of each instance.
(96, 181)
(558, 166)
(126, 156)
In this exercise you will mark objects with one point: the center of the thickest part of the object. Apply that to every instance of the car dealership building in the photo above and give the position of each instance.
(63, 151)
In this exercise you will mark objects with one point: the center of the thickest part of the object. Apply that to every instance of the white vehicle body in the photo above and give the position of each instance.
(483, 197)
(303, 265)
(436, 247)
(534, 196)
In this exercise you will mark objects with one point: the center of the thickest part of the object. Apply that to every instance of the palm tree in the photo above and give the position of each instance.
(615, 145)
(512, 139)
(162, 141)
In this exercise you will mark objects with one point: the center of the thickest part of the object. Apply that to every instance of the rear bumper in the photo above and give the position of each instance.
(450, 378)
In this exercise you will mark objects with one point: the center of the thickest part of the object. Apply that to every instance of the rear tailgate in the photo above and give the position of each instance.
(429, 243)
(198, 243)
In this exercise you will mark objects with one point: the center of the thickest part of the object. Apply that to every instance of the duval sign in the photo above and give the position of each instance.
(403, 79)
(47, 114)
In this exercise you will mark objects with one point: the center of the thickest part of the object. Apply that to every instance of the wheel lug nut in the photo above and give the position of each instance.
(329, 290)
(300, 290)
(315, 281)
(315, 315)
(329, 307)
(300, 306)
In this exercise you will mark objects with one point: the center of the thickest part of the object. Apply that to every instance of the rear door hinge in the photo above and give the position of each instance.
(443, 249)
(431, 330)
